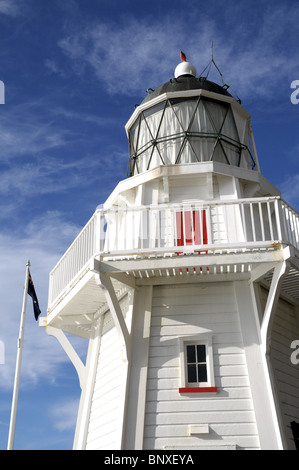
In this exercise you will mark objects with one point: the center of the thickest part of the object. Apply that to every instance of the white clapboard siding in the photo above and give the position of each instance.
(187, 311)
(103, 429)
(285, 330)
(188, 188)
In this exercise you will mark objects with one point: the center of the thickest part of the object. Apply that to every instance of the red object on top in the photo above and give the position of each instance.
(183, 56)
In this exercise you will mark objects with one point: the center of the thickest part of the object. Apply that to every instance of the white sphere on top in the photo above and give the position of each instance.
(185, 68)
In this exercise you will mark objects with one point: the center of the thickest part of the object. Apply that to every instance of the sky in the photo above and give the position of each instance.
(72, 73)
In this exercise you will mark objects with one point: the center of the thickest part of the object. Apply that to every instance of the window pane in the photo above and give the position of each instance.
(192, 373)
(229, 126)
(191, 354)
(201, 353)
(216, 112)
(202, 373)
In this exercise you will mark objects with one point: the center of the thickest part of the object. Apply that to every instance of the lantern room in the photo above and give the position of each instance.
(189, 120)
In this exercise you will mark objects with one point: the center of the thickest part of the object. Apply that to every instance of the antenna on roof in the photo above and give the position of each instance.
(212, 62)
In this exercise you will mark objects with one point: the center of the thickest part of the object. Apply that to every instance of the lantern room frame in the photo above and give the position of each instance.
(160, 133)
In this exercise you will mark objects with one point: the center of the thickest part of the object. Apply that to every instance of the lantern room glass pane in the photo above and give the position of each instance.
(153, 118)
(229, 128)
(170, 124)
(187, 130)
(184, 111)
(216, 112)
(219, 154)
(201, 121)
(203, 147)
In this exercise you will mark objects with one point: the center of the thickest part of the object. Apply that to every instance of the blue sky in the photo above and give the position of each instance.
(73, 71)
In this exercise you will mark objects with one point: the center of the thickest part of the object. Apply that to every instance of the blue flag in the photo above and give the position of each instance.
(32, 293)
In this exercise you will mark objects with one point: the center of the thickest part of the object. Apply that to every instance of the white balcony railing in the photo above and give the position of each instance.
(207, 227)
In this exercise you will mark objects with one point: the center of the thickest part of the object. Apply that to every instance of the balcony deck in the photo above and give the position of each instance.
(227, 239)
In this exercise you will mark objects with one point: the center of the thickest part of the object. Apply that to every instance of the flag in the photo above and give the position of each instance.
(32, 293)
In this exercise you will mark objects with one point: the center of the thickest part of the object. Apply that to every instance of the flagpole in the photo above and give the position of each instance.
(20, 344)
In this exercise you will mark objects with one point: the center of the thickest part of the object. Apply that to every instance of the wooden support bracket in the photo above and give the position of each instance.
(70, 351)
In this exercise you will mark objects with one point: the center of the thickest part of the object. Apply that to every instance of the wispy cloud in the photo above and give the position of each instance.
(137, 54)
(40, 244)
(45, 150)
(65, 414)
(46, 175)
(9, 7)
(26, 129)
(289, 190)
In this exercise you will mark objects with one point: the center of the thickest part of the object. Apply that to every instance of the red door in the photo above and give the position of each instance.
(191, 228)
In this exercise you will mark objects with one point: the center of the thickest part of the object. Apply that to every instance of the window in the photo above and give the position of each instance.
(196, 359)
(197, 374)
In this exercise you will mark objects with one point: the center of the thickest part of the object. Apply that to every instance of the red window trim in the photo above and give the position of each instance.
(198, 390)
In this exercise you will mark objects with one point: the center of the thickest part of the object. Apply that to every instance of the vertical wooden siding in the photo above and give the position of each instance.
(285, 330)
(190, 310)
(103, 424)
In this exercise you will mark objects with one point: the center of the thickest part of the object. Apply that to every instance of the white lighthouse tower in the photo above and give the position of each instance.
(185, 284)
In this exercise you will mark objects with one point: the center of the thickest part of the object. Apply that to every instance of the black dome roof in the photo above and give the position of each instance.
(186, 82)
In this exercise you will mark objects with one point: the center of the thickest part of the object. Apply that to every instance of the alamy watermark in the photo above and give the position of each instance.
(295, 353)
(2, 92)
(2, 353)
(295, 95)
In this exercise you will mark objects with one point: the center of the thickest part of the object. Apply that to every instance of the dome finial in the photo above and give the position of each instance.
(184, 67)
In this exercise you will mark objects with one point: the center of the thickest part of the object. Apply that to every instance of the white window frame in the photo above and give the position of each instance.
(201, 339)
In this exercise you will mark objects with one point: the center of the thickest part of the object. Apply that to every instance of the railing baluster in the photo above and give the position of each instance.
(261, 220)
(296, 223)
(292, 228)
(149, 228)
(243, 224)
(278, 219)
(252, 222)
(270, 220)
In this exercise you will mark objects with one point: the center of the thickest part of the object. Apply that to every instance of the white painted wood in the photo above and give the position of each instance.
(131, 400)
(231, 224)
(264, 404)
(286, 375)
(188, 310)
(103, 420)
(70, 351)
(87, 392)
(108, 404)
(196, 430)
(279, 272)
(139, 369)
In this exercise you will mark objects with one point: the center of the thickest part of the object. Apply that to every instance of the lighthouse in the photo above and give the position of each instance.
(184, 282)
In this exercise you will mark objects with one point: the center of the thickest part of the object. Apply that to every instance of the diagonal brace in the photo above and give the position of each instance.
(279, 273)
(105, 282)
(69, 350)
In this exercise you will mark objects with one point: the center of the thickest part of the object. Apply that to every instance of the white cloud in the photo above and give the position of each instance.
(9, 7)
(46, 175)
(27, 129)
(65, 414)
(42, 355)
(289, 190)
(130, 57)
